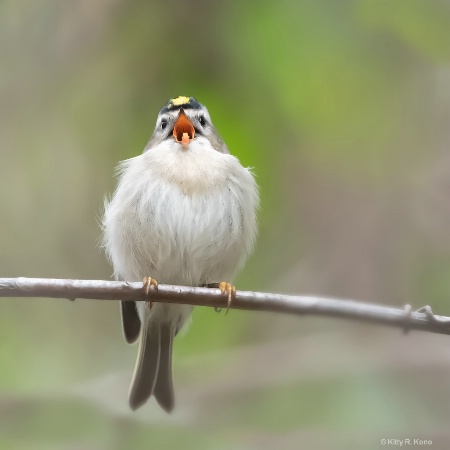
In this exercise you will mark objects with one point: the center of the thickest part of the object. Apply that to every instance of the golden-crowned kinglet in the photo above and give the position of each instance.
(184, 213)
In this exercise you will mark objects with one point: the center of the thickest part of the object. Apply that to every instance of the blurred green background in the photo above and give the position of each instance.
(343, 110)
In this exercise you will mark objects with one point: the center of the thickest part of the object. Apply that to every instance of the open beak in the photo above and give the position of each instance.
(183, 130)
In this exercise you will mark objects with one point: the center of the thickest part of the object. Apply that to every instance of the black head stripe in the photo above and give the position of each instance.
(181, 102)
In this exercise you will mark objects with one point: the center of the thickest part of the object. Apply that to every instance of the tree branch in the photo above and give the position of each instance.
(423, 319)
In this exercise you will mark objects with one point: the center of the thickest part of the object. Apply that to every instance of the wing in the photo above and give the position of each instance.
(131, 323)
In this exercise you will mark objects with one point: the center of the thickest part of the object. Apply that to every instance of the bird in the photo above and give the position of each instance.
(184, 212)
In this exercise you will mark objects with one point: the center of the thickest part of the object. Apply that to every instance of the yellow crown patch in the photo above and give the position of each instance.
(180, 100)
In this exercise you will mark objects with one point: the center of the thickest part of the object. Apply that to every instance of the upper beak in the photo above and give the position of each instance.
(183, 130)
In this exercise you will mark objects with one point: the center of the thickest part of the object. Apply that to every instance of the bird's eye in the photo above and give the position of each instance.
(163, 124)
(202, 121)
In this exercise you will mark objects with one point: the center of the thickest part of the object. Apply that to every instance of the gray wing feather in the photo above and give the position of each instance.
(131, 324)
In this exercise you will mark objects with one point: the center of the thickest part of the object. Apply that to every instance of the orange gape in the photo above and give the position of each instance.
(183, 131)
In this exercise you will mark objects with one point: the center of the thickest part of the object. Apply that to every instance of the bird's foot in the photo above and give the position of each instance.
(225, 288)
(148, 283)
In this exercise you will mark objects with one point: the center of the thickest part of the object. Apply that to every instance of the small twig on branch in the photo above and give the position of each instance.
(423, 319)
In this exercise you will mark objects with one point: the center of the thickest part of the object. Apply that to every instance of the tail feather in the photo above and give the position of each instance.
(164, 383)
(147, 365)
(153, 371)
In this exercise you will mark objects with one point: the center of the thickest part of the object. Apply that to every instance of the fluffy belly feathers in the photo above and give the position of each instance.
(163, 225)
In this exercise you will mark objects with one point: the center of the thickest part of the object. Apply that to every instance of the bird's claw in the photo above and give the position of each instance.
(148, 283)
(227, 288)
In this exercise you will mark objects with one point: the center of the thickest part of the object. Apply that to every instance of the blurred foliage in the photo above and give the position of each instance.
(342, 109)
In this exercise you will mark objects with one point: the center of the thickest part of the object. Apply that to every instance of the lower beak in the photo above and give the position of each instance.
(183, 130)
